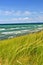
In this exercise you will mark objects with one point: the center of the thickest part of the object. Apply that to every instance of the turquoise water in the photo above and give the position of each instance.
(13, 30)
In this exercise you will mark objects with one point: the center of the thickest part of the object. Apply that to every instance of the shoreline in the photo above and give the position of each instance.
(18, 35)
(23, 48)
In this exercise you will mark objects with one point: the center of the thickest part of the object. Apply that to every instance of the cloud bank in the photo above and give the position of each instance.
(11, 16)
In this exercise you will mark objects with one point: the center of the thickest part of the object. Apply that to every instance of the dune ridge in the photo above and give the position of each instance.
(23, 50)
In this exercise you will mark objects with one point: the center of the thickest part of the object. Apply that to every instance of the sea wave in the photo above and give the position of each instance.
(39, 25)
(25, 31)
(19, 31)
(40, 28)
(13, 28)
(2, 29)
(14, 32)
(10, 37)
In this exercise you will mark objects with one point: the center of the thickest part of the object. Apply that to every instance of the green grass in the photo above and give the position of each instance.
(23, 50)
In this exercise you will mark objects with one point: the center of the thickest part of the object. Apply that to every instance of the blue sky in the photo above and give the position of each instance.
(21, 11)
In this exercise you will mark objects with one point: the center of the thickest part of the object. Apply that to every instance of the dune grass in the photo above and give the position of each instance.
(23, 50)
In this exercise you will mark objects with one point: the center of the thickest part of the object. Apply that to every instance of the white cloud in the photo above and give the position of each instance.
(23, 19)
(41, 12)
(17, 19)
(14, 13)
(27, 13)
(40, 18)
(21, 16)
(19, 13)
(6, 12)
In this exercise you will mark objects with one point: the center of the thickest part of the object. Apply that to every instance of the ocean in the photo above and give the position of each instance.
(13, 30)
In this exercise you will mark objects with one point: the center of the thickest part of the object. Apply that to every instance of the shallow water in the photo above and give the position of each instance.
(13, 30)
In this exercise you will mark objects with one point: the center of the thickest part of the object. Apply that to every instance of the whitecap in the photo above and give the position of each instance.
(12, 32)
(13, 28)
(2, 29)
(39, 25)
(40, 28)
(10, 37)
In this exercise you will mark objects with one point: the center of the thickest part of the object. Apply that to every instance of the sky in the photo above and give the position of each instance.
(21, 11)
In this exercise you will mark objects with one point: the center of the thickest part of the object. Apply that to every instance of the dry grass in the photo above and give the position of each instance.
(23, 50)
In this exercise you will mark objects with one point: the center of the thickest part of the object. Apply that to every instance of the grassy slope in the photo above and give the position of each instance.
(23, 50)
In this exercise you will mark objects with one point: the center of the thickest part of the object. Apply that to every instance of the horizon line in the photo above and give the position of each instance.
(22, 23)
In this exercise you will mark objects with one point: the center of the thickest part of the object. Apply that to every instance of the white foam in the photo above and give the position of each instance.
(40, 28)
(19, 32)
(12, 32)
(35, 26)
(23, 27)
(39, 25)
(25, 30)
(13, 28)
(10, 37)
(2, 29)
